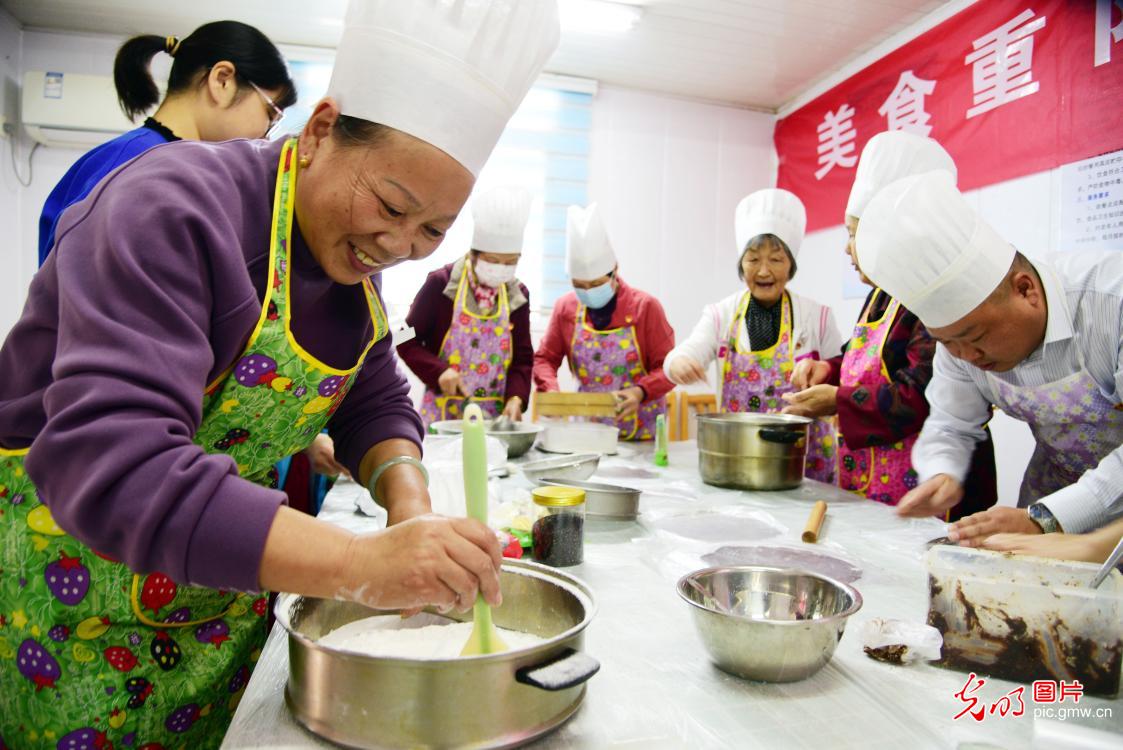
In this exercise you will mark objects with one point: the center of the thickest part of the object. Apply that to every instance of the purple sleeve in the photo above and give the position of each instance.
(430, 321)
(115, 461)
(522, 358)
(377, 408)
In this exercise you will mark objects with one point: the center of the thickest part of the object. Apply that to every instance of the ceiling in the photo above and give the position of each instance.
(753, 53)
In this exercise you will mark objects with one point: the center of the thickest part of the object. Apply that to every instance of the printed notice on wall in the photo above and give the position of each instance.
(1092, 203)
(52, 86)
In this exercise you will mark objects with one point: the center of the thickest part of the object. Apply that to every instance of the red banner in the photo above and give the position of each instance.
(1009, 87)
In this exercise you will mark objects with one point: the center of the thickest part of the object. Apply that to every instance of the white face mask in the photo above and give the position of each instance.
(494, 274)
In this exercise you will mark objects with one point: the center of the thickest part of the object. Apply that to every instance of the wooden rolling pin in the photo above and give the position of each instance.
(815, 522)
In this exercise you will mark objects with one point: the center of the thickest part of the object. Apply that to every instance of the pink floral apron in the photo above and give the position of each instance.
(479, 348)
(612, 361)
(882, 473)
(1074, 424)
(95, 657)
(754, 381)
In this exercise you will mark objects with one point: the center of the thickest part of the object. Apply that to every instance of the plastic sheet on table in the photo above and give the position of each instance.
(731, 525)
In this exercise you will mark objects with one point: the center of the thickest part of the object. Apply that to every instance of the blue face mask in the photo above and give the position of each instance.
(597, 297)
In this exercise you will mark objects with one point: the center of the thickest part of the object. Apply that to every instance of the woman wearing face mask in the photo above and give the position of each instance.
(172, 349)
(759, 334)
(614, 335)
(227, 81)
(472, 319)
(877, 385)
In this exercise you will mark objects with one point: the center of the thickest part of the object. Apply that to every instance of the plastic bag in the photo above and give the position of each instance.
(900, 641)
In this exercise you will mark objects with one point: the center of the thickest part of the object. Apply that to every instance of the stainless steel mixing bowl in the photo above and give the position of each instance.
(518, 438)
(575, 466)
(603, 500)
(749, 451)
(490, 701)
(771, 624)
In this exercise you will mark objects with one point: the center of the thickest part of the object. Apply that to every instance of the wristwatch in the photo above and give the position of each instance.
(1044, 518)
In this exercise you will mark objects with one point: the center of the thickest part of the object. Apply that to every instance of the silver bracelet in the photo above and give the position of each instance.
(381, 469)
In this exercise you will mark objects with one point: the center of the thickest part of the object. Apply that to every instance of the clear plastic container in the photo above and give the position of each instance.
(559, 526)
(1026, 618)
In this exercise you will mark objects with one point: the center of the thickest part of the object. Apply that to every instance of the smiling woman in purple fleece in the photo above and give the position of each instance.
(206, 310)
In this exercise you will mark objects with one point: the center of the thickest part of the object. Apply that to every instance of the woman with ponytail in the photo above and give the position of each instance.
(227, 81)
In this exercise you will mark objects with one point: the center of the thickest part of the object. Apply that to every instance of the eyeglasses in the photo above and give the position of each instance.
(278, 113)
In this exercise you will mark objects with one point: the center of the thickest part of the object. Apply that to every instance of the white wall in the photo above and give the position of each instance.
(12, 284)
(668, 174)
(87, 53)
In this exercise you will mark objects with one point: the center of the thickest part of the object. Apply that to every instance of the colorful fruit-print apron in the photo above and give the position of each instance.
(755, 381)
(479, 348)
(95, 657)
(882, 473)
(1074, 425)
(612, 361)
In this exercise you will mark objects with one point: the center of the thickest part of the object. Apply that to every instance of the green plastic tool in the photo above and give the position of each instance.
(484, 639)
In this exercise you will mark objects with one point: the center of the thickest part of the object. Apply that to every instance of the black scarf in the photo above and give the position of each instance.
(763, 323)
(601, 317)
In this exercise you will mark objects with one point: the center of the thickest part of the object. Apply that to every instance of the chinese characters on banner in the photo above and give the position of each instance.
(1010, 88)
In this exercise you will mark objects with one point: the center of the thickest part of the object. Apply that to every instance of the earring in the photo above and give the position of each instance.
(304, 162)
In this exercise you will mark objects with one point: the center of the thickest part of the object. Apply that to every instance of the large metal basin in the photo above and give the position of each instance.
(518, 439)
(772, 624)
(752, 451)
(493, 701)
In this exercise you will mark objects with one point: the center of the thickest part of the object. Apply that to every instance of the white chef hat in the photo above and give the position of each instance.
(892, 156)
(920, 242)
(771, 211)
(588, 253)
(450, 72)
(499, 216)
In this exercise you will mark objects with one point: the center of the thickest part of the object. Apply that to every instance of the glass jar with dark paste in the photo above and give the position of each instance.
(559, 529)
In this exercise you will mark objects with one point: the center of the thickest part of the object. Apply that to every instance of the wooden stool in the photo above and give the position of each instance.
(700, 403)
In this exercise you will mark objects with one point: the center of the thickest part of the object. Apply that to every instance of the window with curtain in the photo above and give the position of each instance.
(545, 149)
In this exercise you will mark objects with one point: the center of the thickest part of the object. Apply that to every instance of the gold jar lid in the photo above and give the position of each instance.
(557, 497)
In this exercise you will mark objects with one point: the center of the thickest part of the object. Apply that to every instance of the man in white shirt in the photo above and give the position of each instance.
(1041, 341)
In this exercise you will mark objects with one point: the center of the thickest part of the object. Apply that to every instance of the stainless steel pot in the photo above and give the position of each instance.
(752, 451)
(493, 701)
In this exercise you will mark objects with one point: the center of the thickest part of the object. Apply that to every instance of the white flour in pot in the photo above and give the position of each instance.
(423, 636)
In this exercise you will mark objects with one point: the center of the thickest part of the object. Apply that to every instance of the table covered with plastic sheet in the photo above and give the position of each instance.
(657, 688)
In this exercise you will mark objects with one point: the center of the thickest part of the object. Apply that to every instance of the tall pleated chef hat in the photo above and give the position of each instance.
(920, 242)
(449, 72)
(770, 211)
(500, 217)
(588, 253)
(892, 156)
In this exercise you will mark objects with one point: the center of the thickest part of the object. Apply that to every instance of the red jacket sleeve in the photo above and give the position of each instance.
(552, 349)
(522, 358)
(657, 338)
(894, 410)
(430, 316)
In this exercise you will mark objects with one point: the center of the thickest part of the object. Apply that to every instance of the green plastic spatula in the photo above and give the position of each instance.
(484, 639)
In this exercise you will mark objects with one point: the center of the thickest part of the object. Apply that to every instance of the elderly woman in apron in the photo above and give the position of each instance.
(471, 319)
(876, 386)
(173, 348)
(759, 334)
(613, 335)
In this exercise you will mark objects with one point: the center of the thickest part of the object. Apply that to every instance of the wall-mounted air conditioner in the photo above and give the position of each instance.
(71, 109)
